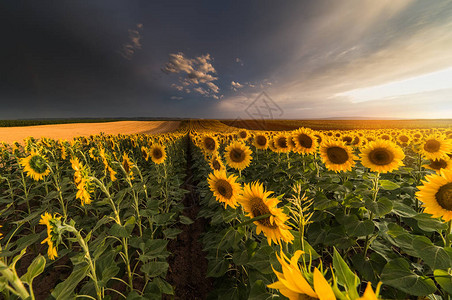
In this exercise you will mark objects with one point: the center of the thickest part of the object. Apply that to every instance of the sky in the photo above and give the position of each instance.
(293, 59)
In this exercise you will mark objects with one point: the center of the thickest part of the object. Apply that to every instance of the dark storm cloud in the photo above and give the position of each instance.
(105, 58)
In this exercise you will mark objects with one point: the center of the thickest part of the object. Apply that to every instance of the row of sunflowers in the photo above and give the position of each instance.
(308, 214)
(90, 218)
(362, 214)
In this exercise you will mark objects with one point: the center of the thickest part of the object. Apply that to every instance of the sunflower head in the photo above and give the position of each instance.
(52, 223)
(145, 152)
(35, 165)
(238, 155)
(436, 194)
(216, 163)
(297, 282)
(157, 153)
(260, 141)
(305, 141)
(382, 156)
(256, 202)
(243, 134)
(209, 143)
(336, 156)
(225, 189)
(439, 164)
(435, 147)
(82, 180)
(282, 143)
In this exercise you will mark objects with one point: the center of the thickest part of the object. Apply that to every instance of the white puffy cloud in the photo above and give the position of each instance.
(197, 71)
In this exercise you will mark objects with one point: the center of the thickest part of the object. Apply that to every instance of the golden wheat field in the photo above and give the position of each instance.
(205, 209)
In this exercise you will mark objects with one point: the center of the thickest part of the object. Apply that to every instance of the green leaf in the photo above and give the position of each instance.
(185, 220)
(217, 268)
(429, 224)
(164, 286)
(388, 185)
(65, 289)
(434, 256)
(345, 276)
(444, 279)
(258, 291)
(171, 233)
(356, 228)
(379, 208)
(397, 274)
(403, 210)
(261, 260)
(155, 268)
(35, 268)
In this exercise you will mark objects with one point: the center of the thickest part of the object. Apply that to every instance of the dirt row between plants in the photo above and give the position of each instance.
(188, 263)
(69, 131)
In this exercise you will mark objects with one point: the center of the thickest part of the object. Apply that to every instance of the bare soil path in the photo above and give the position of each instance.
(69, 131)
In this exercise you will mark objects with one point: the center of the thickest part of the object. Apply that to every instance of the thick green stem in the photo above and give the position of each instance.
(14, 280)
(448, 233)
(88, 259)
(375, 189)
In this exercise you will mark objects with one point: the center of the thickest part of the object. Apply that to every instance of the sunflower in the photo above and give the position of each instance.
(209, 143)
(243, 134)
(35, 165)
(382, 156)
(225, 189)
(238, 155)
(336, 156)
(260, 141)
(105, 159)
(305, 141)
(403, 139)
(256, 202)
(81, 178)
(128, 165)
(436, 194)
(1, 234)
(439, 164)
(50, 221)
(145, 152)
(216, 163)
(300, 283)
(158, 153)
(282, 143)
(435, 147)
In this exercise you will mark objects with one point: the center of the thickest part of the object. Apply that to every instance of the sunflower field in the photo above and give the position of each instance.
(300, 214)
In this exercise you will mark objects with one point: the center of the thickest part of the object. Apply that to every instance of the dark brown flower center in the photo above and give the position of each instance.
(337, 155)
(216, 164)
(209, 143)
(432, 146)
(438, 164)
(347, 139)
(224, 188)
(444, 196)
(261, 140)
(385, 137)
(243, 134)
(403, 138)
(282, 142)
(381, 156)
(258, 208)
(305, 140)
(237, 155)
(157, 153)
